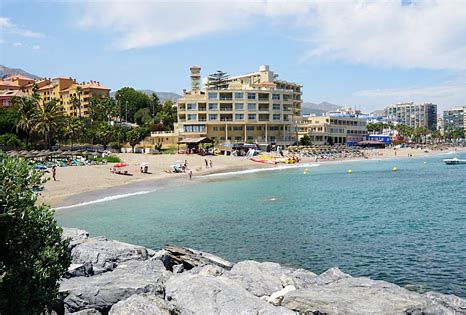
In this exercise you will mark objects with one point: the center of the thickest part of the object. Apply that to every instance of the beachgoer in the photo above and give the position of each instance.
(54, 173)
(210, 162)
(190, 174)
(206, 163)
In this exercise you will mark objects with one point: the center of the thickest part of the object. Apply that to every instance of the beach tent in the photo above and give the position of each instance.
(193, 143)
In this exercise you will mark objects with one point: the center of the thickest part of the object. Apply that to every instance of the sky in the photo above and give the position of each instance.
(360, 53)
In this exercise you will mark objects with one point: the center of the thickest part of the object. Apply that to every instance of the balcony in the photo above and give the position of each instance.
(226, 109)
(226, 119)
(263, 99)
(226, 98)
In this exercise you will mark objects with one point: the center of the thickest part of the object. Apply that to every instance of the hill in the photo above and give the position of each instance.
(6, 71)
(318, 109)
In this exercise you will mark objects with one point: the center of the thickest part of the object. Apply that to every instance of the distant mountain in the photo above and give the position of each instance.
(318, 109)
(378, 112)
(163, 96)
(5, 71)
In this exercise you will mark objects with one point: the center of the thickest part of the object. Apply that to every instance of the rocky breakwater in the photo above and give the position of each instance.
(110, 277)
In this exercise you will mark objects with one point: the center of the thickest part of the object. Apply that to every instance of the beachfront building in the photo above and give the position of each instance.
(63, 89)
(255, 108)
(335, 128)
(453, 119)
(413, 115)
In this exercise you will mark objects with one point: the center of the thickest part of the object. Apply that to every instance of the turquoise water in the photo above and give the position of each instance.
(407, 227)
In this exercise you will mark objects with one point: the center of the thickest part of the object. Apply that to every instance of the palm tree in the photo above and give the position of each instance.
(74, 129)
(48, 120)
(26, 107)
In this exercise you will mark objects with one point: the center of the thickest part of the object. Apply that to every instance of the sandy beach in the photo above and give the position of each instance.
(77, 180)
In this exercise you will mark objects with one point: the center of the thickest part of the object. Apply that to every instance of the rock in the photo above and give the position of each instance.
(104, 255)
(335, 292)
(79, 270)
(88, 311)
(438, 302)
(76, 235)
(178, 268)
(191, 258)
(199, 294)
(209, 270)
(277, 297)
(143, 304)
(299, 278)
(103, 290)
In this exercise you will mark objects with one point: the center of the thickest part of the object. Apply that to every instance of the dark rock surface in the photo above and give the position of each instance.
(111, 277)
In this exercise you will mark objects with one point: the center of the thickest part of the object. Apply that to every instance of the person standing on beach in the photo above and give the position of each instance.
(206, 163)
(54, 173)
(190, 174)
(210, 163)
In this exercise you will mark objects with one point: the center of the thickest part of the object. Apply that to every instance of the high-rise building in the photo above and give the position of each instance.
(453, 119)
(62, 89)
(255, 108)
(413, 115)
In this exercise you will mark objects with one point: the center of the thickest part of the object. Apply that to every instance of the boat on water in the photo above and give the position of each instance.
(454, 161)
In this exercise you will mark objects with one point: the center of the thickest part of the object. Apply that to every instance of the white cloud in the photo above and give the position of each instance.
(427, 34)
(17, 44)
(35, 47)
(7, 26)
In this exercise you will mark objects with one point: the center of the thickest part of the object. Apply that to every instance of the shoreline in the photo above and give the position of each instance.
(235, 166)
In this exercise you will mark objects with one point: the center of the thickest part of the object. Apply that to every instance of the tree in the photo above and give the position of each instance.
(104, 134)
(74, 129)
(155, 106)
(218, 80)
(11, 140)
(48, 119)
(103, 109)
(9, 118)
(135, 135)
(142, 116)
(167, 115)
(26, 107)
(34, 257)
(130, 101)
(305, 140)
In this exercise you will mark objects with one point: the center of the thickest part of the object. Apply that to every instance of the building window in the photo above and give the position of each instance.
(250, 128)
(238, 128)
(194, 128)
(276, 117)
(251, 96)
(251, 106)
(276, 106)
(213, 95)
(239, 106)
(213, 117)
(252, 116)
(239, 117)
(191, 106)
(275, 96)
(191, 116)
(238, 138)
(239, 95)
(212, 106)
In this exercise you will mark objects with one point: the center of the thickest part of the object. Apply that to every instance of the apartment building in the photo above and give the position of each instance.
(63, 89)
(413, 115)
(254, 108)
(333, 128)
(453, 119)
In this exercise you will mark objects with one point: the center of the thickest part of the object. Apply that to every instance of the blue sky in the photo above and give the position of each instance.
(364, 54)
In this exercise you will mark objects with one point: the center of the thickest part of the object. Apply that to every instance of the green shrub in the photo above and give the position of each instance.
(10, 140)
(33, 255)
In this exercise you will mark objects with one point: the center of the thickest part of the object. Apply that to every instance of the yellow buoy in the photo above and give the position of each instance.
(394, 169)
(305, 173)
(350, 171)
(305, 169)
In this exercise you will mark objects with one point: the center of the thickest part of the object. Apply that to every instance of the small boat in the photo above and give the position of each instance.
(454, 161)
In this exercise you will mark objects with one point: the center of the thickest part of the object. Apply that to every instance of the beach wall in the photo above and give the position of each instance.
(111, 277)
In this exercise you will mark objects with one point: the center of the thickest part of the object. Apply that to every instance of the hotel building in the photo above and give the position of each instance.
(256, 108)
(413, 115)
(453, 119)
(334, 128)
(63, 89)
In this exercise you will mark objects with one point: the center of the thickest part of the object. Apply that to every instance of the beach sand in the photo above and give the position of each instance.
(77, 180)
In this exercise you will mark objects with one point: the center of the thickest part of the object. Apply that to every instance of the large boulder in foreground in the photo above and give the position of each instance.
(143, 304)
(335, 292)
(104, 255)
(190, 258)
(201, 294)
(104, 290)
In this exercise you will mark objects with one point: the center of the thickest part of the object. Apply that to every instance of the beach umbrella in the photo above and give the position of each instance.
(13, 153)
(144, 164)
(68, 153)
(120, 165)
(40, 167)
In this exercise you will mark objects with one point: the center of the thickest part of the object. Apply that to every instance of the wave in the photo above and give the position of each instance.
(258, 170)
(108, 198)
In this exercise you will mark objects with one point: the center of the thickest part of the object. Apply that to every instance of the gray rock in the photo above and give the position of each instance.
(439, 303)
(143, 304)
(79, 270)
(191, 258)
(104, 290)
(88, 311)
(76, 235)
(299, 278)
(208, 270)
(104, 254)
(199, 294)
(335, 292)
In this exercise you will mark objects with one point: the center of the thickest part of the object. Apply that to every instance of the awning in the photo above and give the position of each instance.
(195, 140)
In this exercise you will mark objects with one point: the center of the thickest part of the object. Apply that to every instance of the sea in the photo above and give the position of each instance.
(405, 225)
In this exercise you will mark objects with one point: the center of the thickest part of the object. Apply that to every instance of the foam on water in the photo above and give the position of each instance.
(259, 170)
